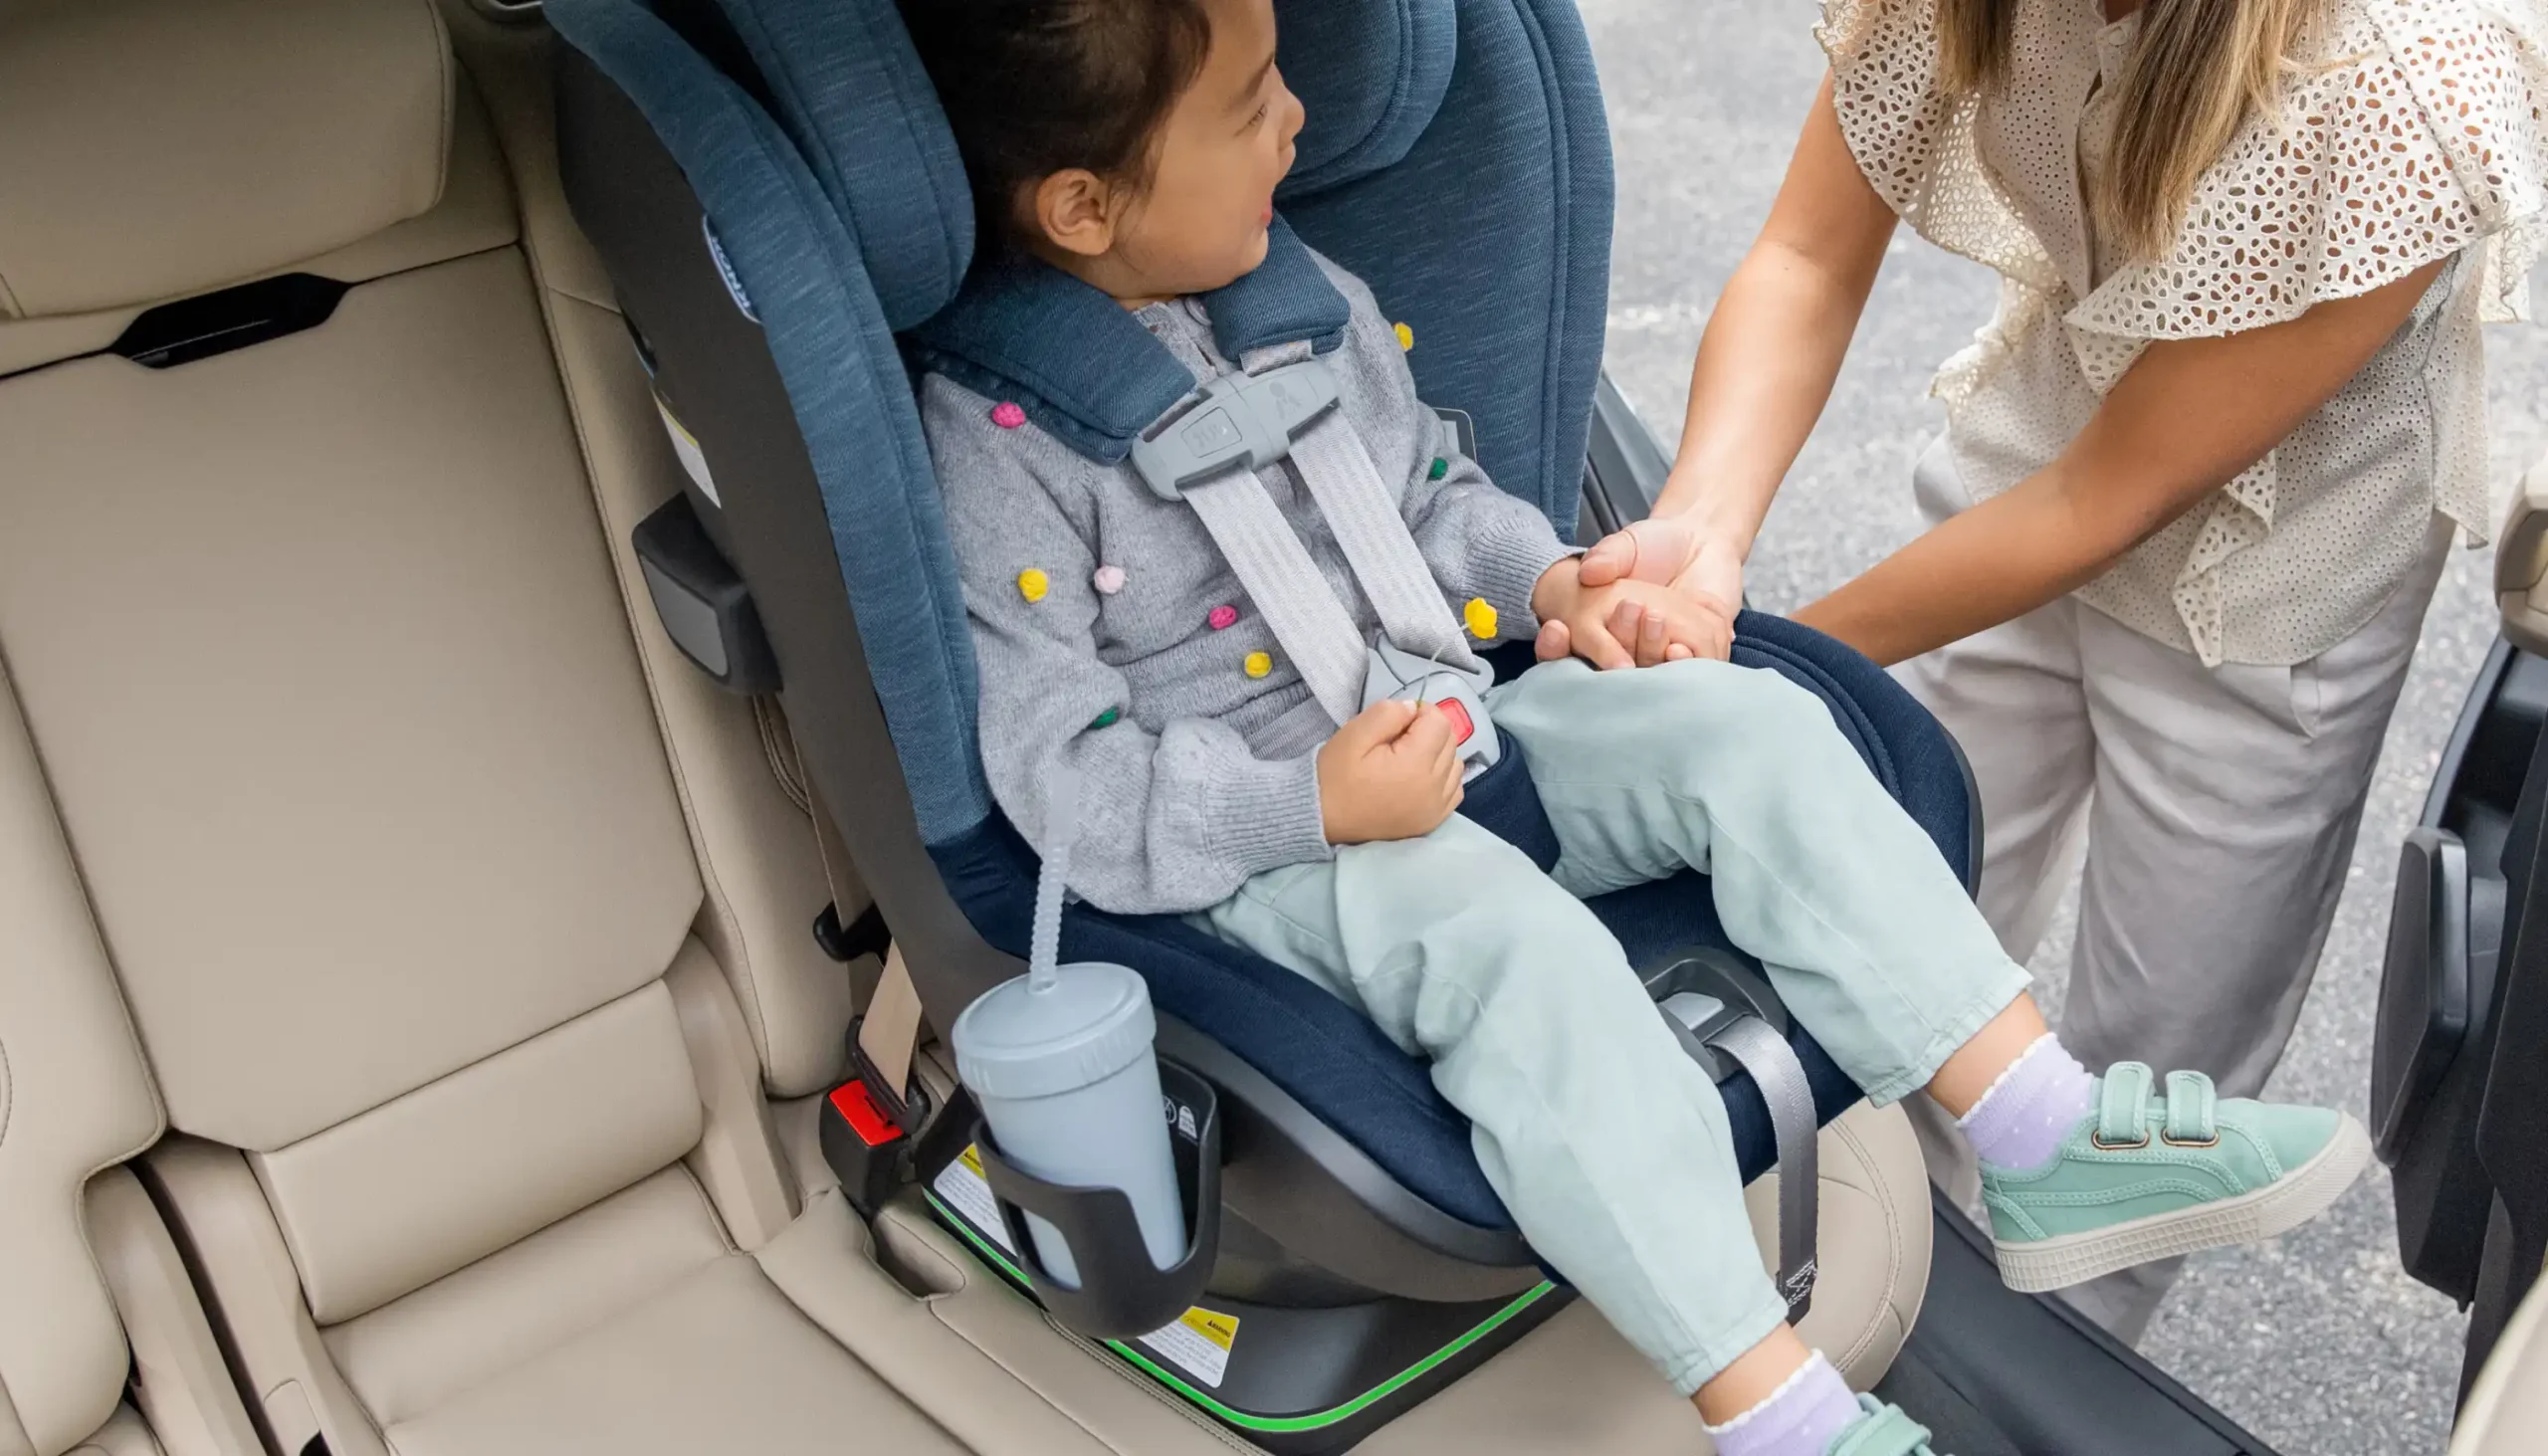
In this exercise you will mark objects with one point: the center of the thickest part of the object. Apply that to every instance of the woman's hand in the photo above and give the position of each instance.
(1392, 771)
(1670, 551)
(1625, 623)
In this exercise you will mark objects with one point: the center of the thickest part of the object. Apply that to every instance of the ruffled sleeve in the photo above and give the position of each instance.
(1916, 145)
(2422, 141)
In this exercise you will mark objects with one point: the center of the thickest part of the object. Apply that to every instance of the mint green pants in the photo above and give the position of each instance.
(1606, 1142)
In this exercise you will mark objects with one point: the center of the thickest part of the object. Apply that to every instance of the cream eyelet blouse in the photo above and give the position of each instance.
(2417, 133)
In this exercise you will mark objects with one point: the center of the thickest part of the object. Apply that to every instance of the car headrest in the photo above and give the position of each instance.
(847, 85)
(153, 148)
(1370, 74)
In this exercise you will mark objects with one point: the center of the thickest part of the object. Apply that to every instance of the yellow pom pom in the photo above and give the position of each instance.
(1259, 664)
(1406, 336)
(1032, 583)
(1480, 618)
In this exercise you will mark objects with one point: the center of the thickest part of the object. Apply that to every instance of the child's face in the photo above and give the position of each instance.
(1201, 220)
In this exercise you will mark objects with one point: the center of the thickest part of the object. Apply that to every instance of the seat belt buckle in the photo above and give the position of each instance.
(1236, 419)
(864, 1143)
(1457, 693)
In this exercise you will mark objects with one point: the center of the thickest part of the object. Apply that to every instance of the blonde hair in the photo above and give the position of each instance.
(2200, 70)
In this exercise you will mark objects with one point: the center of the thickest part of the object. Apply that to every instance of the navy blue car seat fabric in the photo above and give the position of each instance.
(798, 267)
(1490, 237)
(1370, 78)
(868, 125)
(797, 270)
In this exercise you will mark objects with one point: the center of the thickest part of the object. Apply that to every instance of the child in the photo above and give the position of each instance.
(1129, 150)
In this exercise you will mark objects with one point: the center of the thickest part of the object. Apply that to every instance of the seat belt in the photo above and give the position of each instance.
(1208, 452)
(1703, 1023)
(1781, 1078)
(889, 1031)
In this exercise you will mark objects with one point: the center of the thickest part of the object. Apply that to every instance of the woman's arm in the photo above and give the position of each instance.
(1773, 346)
(2182, 421)
(1775, 341)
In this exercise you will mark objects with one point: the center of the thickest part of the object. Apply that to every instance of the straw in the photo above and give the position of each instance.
(1061, 826)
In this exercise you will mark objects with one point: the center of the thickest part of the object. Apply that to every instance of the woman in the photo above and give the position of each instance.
(2199, 473)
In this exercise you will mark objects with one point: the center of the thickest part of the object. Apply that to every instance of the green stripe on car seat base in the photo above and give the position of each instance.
(999, 1259)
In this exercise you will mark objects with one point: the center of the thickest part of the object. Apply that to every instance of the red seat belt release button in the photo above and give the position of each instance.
(1458, 714)
(864, 1118)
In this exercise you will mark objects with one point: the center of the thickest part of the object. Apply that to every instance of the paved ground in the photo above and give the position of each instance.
(2319, 1343)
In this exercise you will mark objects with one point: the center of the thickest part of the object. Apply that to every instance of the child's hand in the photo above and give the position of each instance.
(1628, 623)
(1391, 771)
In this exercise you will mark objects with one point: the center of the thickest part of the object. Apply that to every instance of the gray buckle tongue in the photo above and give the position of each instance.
(1235, 419)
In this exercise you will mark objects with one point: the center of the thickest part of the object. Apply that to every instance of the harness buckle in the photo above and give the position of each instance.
(1236, 419)
(1457, 693)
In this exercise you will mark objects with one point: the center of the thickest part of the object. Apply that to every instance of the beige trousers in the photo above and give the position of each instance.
(2216, 809)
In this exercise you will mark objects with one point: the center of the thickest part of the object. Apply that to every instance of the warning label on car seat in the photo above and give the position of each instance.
(1198, 1342)
(966, 1191)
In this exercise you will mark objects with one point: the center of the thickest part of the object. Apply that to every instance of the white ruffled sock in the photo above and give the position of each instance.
(2021, 1122)
(1800, 1418)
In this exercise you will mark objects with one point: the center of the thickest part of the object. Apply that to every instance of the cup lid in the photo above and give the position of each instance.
(1019, 1042)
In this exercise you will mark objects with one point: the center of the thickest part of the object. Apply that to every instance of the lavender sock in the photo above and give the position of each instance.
(1801, 1417)
(2021, 1122)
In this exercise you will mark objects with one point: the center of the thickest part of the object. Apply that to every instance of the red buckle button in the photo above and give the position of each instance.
(868, 1121)
(1458, 712)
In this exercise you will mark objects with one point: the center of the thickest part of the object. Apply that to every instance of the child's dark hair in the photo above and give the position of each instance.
(1035, 87)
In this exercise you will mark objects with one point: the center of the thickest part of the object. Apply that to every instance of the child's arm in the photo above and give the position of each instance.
(1170, 821)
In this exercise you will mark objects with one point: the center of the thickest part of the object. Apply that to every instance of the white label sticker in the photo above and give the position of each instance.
(966, 1191)
(1198, 1344)
(692, 459)
(726, 271)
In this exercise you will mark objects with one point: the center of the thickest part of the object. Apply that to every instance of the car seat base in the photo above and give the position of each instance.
(1294, 1381)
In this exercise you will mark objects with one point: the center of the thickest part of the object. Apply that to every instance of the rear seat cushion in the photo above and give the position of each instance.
(322, 648)
(116, 120)
(388, 1200)
(73, 1098)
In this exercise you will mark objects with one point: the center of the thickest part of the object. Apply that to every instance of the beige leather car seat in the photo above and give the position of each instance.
(93, 1298)
(2507, 1412)
(461, 925)
(2521, 564)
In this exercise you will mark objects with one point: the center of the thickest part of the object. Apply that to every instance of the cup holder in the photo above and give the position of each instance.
(1121, 1295)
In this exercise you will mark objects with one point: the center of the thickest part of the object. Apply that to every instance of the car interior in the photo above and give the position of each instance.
(490, 836)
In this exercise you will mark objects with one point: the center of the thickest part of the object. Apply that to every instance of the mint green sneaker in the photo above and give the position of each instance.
(2151, 1176)
(1883, 1431)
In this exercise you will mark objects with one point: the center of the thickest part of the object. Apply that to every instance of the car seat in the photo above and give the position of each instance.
(772, 188)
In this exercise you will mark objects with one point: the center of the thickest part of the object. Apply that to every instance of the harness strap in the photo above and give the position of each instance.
(1287, 588)
(1361, 512)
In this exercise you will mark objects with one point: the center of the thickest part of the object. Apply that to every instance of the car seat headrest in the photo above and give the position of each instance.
(152, 148)
(1369, 73)
(845, 82)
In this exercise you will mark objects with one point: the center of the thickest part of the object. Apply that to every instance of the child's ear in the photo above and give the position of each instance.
(1075, 210)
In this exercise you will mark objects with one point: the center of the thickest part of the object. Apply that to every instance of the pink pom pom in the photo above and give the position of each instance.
(1222, 618)
(1007, 415)
(1109, 579)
